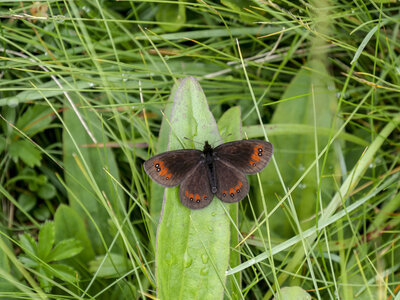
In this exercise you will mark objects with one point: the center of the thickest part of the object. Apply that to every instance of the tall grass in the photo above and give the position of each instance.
(91, 89)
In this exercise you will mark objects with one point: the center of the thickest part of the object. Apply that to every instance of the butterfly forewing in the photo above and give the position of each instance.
(171, 168)
(247, 156)
(232, 185)
(195, 191)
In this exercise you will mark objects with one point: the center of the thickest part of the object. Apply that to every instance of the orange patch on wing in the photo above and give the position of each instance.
(237, 188)
(231, 191)
(225, 192)
(197, 197)
(251, 162)
(204, 197)
(191, 196)
(255, 157)
(240, 183)
(169, 175)
(187, 193)
(164, 171)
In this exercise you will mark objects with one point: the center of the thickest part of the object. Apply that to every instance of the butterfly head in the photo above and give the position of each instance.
(207, 148)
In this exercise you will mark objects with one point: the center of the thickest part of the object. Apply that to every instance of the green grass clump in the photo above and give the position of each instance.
(91, 89)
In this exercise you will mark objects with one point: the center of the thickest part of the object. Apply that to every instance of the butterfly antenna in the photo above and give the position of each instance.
(224, 137)
(193, 141)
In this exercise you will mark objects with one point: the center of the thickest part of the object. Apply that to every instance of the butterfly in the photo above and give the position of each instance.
(218, 171)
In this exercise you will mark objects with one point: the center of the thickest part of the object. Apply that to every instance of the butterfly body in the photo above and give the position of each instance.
(218, 171)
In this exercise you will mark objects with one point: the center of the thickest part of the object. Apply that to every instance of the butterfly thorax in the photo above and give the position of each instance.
(209, 162)
(208, 153)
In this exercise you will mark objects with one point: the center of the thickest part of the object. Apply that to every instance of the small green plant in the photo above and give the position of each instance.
(44, 256)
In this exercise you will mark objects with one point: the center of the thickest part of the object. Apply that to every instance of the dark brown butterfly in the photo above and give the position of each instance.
(216, 171)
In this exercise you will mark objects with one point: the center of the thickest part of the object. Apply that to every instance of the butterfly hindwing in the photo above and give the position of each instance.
(248, 156)
(232, 185)
(195, 191)
(170, 168)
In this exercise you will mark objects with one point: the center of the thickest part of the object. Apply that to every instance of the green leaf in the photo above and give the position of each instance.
(63, 272)
(46, 240)
(294, 292)
(27, 261)
(47, 191)
(86, 179)
(48, 89)
(27, 201)
(2, 143)
(44, 278)
(34, 120)
(114, 265)
(69, 224)
(364, 43)
(25, 151)
(295, 152)
(124, 291)
(65, 249)
(42, 213)
(192, 245)
(239, 6)
(171, 13)
(28, 244)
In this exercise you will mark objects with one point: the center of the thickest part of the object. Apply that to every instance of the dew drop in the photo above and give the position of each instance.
(187, 260)
(59, 18)
(86, 8)
(204, 258)
(204, 271)
(12, 103)
(302, 186)
(168, 258)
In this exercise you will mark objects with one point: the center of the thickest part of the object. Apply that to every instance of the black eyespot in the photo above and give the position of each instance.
(259, 154)
(158, 169)
(191, 199)
(224, 194)
(205, 198)
(260, 150)
(237, 191)
(232, 194)
(254, 165)
(157, 165)
(166, 178)
(198, 201)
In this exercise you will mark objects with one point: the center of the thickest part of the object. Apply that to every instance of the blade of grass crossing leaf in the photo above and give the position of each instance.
(230, 126)
(364, 43)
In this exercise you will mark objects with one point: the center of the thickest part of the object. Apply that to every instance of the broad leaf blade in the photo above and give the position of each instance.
(46, 240)
(192, 245)
(86, 178)
(294, 153)
(69, 224)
